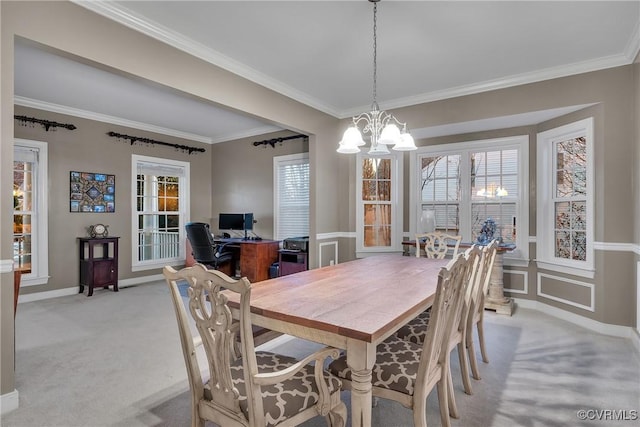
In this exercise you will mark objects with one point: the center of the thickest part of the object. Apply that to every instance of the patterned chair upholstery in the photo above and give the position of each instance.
(257, 388)
(407, 372)
(473, 307)
(416, 330)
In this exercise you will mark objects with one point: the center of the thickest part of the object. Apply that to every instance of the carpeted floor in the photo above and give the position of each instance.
(114, 359)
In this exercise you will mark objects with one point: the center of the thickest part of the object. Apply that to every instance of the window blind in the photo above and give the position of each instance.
(292, 204)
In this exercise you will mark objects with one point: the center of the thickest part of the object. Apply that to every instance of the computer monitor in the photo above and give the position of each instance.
(227, 221)
(248, 222)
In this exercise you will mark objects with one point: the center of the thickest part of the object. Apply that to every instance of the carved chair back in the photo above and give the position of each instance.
(285, 391)
(437, 244)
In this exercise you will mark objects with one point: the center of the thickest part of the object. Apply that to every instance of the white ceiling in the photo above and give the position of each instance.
(321, 53)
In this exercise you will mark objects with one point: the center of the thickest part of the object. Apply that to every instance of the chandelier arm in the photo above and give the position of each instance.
(362, 116)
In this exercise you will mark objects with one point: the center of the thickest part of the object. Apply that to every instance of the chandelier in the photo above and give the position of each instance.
(383, 127)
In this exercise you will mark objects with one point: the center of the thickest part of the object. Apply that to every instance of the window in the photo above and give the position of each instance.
(30, 238)
(467, 183)
(291, 196)
(161, 190)
(440, 190)
(379, 208)
(565, 186)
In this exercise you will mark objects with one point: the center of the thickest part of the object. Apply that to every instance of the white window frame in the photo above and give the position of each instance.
(545, 240)
(40, 238)
(183, 212)
(397, 167)
(518, 257)
(278, 162)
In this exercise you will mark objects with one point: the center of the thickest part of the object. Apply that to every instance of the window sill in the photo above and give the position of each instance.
(581, 272)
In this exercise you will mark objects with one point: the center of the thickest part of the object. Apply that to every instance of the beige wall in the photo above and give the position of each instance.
(614, 127)
(83, 34)
(89, 149)
(243, 179)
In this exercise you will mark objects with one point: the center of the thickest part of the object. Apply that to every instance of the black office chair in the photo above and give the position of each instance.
(204, 249)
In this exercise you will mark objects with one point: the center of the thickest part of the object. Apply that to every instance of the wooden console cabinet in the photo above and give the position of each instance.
(98, 263)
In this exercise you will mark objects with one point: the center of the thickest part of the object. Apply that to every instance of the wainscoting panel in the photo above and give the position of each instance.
(567, 291)
(516, 282)
(326, 254)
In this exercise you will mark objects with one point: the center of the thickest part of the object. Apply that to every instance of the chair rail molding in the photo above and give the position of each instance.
(6, 266)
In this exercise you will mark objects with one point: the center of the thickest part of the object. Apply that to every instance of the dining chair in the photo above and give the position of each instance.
(417, 329)
(255, 388)
(476, 309)
(407, 372)
(437, 244)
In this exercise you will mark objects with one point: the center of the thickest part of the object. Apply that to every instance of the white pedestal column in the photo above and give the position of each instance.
(496, 300)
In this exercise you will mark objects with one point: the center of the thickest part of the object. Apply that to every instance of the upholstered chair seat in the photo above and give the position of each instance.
(416, 329)
(284, 400)
(396, 366)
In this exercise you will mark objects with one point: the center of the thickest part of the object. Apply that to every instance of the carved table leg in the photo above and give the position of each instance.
(360, 358)
(496, 299)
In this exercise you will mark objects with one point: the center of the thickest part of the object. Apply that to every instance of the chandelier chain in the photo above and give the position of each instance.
(375, 54)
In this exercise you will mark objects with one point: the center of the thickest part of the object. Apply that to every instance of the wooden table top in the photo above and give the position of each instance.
(365, 299)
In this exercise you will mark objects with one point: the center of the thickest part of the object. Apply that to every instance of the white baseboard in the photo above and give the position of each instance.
(594, 325)
(37, 296)
(8, 402)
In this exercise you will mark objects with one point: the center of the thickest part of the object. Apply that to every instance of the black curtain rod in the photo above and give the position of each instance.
(272, 142)
(135, 139)
(46, 124)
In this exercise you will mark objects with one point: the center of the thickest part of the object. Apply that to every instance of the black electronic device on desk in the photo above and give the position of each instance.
(294, 256)
(237, 222)
(300, 244)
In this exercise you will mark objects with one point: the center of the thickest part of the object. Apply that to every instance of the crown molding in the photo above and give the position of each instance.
(503, 82)
(633, 47)
(153, 29)
(130, 19)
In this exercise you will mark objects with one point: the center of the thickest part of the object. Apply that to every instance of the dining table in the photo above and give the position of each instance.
(353, 306)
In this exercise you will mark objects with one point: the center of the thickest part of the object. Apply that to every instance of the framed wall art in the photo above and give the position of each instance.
(92, 192)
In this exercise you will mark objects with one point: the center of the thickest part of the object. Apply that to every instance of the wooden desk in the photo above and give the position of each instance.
(354, 306)
(255, 257)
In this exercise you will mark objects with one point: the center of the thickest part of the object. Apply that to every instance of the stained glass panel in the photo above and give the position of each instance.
(563, 218)
(570, 193)
(579, 215)
(563, 244)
